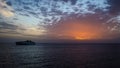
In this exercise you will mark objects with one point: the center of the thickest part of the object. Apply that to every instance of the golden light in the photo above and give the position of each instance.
(6, 13)
(82, 36)
(84, 31)
(79, 38)
(34, 31)
(86, 35)
(80, 30)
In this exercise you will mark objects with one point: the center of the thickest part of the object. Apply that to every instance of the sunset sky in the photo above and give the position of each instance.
(59, 19)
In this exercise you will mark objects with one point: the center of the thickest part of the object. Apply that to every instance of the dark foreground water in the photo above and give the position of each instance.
(59, 56)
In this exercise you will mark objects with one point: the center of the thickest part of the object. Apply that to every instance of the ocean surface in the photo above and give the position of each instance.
(59, 56)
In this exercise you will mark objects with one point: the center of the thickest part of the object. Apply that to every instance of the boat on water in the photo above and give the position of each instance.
(27, 42)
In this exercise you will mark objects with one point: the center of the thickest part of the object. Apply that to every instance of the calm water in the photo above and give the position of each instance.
(59, 56)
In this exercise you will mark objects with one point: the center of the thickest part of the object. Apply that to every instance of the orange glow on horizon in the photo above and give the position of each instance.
(84, 31)
(82, 36)
(80, 31)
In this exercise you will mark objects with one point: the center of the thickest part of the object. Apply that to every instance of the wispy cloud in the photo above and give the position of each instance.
(12, 29)
(5, 9)
(8, 28)
(4, 25)
(114, 23)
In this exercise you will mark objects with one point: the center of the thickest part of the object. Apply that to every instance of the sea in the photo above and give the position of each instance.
(59, 56)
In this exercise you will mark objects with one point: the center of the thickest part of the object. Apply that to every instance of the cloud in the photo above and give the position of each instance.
(114, 23)
(12, 29)
(55, 10)
(7, 29)
(5, 9)
(4, 25)
(115, 19)
(32, 31)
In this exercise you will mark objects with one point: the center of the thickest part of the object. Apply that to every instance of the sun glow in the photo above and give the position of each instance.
(83, 36)
(85, 31)
(79, 38)
(87, 35)
(80, 31)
